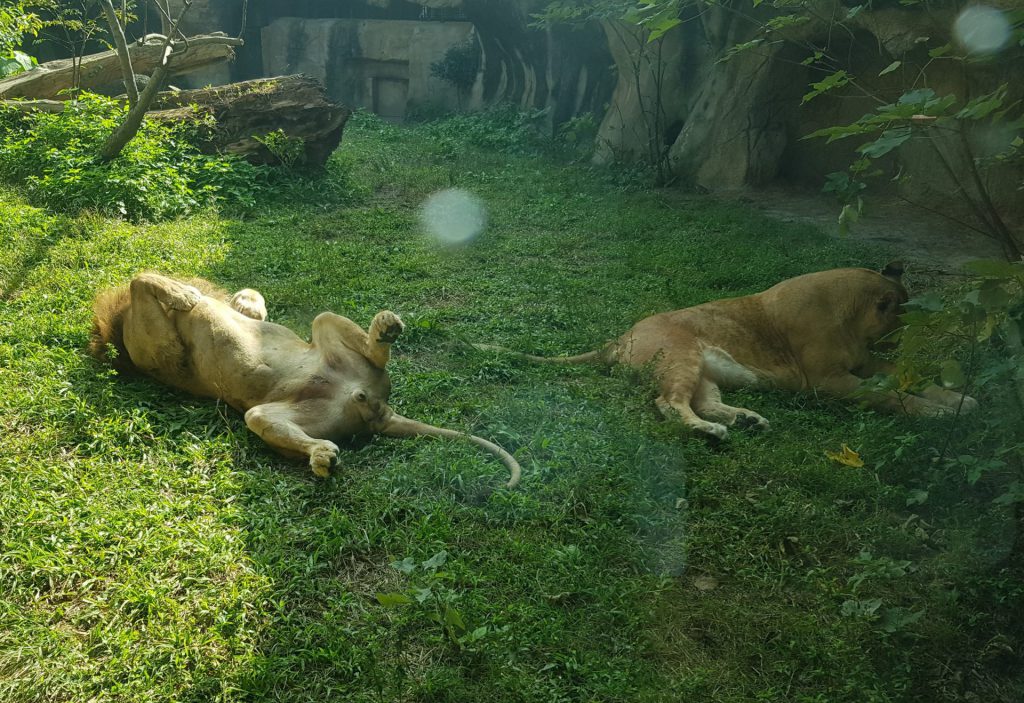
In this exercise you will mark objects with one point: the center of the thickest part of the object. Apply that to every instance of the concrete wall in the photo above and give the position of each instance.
(381, 65)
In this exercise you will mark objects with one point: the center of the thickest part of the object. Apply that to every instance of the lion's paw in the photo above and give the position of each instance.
(250, 303)
(184, 299)
(714, 430)
(323, 456)
(389, 326)
(752, 420)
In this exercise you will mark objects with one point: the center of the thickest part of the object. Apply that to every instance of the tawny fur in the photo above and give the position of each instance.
(300, 397)
(812, 332)
(109, 308)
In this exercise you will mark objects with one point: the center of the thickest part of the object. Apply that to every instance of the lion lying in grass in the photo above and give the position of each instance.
(810, 332)
(300, 398)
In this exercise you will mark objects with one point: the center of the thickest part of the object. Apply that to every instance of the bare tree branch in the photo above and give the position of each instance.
(117, 32)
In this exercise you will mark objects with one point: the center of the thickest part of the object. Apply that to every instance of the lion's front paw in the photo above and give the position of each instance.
(388, 326)
(323, 457)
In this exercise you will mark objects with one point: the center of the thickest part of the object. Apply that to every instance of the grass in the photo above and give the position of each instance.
(154, 550)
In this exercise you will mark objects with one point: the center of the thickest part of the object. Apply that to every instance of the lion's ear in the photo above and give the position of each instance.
(893, 270)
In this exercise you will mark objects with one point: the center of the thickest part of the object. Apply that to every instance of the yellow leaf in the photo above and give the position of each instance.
(846, 457)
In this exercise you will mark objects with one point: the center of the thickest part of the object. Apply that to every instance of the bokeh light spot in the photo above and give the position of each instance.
(453, 216)
(982, 30)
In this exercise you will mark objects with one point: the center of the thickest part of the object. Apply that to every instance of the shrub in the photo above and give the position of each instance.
(160, 174)
(502, 128)
(459, 66)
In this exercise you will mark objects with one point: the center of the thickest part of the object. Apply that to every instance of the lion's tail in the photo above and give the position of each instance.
(591, 357)
(109, 310)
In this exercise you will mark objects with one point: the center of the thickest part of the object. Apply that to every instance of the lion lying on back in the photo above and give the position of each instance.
(810, 332)
(300, 397)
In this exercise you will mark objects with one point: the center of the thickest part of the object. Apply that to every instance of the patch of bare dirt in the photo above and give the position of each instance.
(924, 239)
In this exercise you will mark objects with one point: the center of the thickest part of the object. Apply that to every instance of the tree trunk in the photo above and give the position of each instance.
(98, 71)
(123, 55)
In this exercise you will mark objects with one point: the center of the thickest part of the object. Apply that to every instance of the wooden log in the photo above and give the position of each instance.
(34, 105)
(243, 112)
(104, 69)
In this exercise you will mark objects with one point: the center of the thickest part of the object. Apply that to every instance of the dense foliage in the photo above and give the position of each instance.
(17, 20)
(161, 173)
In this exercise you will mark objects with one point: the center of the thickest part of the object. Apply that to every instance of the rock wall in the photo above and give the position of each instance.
(563, 70)
(382, 65)
(721, 125)
(740, 123)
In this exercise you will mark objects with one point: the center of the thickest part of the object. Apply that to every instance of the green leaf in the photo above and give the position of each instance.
(658, 30)
(917, 497)
(917, 97)
(940, 51)
(393, 600)
(453, 618)
(860, 608)
(406, 566)
(896, 619)
(951, 374)
(15, 62)
(983, 105)
(841, 132)
(829, 82)
(437, 560)
(890, 139)
(784, 21)
(848, 216)
(891, 67)
(739, 48)
(1014, 494)
(816, 56)
(994, 297)
(477, 634)
(929, 302)
(854, 11)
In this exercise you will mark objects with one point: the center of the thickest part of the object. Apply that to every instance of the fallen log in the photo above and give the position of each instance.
(245, 113)
(34, 105)
(98, 71)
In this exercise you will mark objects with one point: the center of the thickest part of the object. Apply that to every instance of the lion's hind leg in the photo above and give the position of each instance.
(708, 404)
(680, 379)
(150, 335)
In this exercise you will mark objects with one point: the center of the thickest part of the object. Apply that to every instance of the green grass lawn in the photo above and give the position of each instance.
(152, 549)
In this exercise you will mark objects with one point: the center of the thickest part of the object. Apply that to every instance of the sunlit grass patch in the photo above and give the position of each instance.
(154, 550)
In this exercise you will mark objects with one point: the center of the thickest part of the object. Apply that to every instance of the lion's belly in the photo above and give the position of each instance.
(231, 356)
(721, 368)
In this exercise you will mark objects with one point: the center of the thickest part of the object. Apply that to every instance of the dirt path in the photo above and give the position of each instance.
(921, 238)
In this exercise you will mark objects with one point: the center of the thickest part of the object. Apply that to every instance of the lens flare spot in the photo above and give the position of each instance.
(982, 30)
(453, 216)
